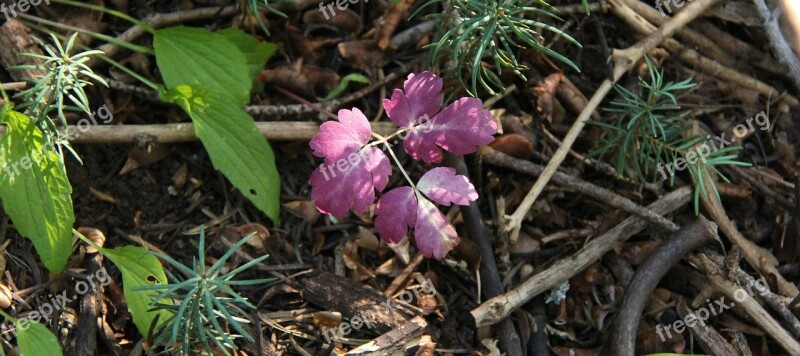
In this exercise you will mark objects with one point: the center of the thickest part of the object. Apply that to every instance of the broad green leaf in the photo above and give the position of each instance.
(194, 56)
(256, 53)
(352, 77)
(139, 268)
(236, 146)
(34, 339)
(35, 190)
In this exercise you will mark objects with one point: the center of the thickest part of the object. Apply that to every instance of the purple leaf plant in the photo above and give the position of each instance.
(354, 166)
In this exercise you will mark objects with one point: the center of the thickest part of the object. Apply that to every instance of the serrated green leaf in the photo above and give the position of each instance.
(194, 56)
(236, 146)
(34, 339)
(352, 77)
(139, 268)
(256, 52)
(37, 199)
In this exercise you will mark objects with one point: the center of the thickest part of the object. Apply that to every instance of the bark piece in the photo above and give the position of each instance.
(16, 38)
(353, 299)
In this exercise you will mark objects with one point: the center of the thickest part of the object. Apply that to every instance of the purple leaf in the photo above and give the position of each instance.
(337, 140)
(443, 186)
(396, 213)
(338, 186)
(460, 128)
(434, 235)
(421, 98)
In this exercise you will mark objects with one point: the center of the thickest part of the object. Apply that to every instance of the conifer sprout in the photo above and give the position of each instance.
(63, 77)
(497, 28)
(205, 307)
(649, 136)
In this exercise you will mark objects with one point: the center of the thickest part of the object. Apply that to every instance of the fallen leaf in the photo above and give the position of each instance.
(303, 209)
(514, 145)
(102, 196)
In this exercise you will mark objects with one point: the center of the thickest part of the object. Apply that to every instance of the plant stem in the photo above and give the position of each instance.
(384, 141)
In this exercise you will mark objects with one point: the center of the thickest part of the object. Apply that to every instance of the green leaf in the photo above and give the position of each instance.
(236, 146)
(34, 339)
(139, 268)
(194, 56)
(256, 53)
(352, 77)
(38, 199)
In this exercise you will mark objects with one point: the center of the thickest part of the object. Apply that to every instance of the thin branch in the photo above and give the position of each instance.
(497, 308)
(623, 61)
(184, 132)
(780, 47)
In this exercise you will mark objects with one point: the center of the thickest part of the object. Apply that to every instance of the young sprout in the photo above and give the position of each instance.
(205, 306)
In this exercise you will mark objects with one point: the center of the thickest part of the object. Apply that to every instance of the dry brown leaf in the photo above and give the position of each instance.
(387, 24)
(363, 54)
(140, 157)
(346, 21)
(304, 80)
(102, 196)
(514, 145)
(94, 235)
(426, 346)
(545, 95)
(5, 296)
(236, 233)
(310, 49)
(303, 209)
(319, 242)
(367, 240)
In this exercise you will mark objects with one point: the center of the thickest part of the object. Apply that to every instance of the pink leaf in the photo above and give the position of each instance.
(421, 97)
(434, 235)
(443, 186)
(460, 128)
(396, 213)
(351, 182)
(339, 139)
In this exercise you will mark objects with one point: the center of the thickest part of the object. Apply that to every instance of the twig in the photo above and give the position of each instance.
(747, 304)
(758, 257)
(14, 86)
(761, 187)
(395, 341)
(695, 59)
(780, 47)
(708, 338)
(499, 307)
(581, 186)
(623, 332)
(578, 9)
(84, 340)
(184, 132)
(623, 61)
(778, 303)
(160, 20)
